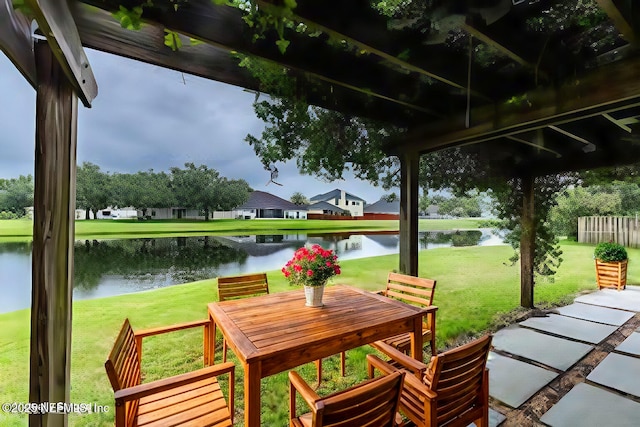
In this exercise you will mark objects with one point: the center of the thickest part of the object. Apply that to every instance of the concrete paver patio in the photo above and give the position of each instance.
(579, 365)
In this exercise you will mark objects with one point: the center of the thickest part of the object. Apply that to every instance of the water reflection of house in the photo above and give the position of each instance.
(265, 205)
(261, 245)
(339, 243)
(385, 240)
(383, 209)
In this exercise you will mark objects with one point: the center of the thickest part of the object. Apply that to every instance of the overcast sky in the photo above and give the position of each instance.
(147, 117)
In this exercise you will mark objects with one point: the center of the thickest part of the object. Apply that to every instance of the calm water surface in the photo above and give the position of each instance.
(119, 266)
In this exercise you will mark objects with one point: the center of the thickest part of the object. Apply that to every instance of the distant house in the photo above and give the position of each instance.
(115, 213)
(265, 205)
(342, 199)
(325, 208)
(383, 209)
(172, 213)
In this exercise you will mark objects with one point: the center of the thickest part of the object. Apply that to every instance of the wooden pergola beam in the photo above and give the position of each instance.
(408, 251)
(586, 96)
(56, 23)
(16, 41)
(53, 237)
(477, 31)
(621, 12)
(98, 30)
(304, 55)
(522, 140)
(354, 38)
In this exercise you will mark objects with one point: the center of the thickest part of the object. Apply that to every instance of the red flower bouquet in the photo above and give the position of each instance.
(311, 266)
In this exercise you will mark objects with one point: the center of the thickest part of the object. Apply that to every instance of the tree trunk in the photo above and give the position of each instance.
(53, 237)
(527, 242)
(95, 213)
(87, 214)
(206, 214)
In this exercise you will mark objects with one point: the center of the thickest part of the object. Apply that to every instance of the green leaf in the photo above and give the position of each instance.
(23, 7)
(129, 19)
(172, 39)
(282, 45)
(195, 42)
(290, 4)
(219, 2)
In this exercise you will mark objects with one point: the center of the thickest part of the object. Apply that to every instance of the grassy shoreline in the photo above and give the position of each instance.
(21, 230)
(475, 284)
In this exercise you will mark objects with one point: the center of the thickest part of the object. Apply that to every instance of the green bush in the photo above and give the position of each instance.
(9, 215)
(610, 251)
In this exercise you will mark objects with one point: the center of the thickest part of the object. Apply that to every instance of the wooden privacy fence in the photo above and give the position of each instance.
(620, 229)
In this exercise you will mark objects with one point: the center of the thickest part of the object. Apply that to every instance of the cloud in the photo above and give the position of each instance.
(147, 117)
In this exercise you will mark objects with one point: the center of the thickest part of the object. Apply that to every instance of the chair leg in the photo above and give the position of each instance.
(343, 357)
(433, 346)
(224, 350)
(319, 371)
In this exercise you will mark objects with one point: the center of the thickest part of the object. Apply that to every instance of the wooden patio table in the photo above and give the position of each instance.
(274, 333)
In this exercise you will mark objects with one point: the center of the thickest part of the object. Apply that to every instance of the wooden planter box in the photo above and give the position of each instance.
(611, 274)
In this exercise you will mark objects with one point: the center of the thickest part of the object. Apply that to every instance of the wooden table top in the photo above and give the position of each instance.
(279, 331)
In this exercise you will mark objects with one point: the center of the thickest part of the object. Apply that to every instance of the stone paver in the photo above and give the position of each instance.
(578, 329)
(555, 352)
(628, 299)
(594, 313)
(513, 382)
(589, 406)
(618, 372)
(495, 418)
(631, 345)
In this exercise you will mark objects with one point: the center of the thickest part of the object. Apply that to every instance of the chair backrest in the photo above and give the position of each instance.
(123, 367)
(247, 285)
(372, 404)
(459, 379)
(410, 289)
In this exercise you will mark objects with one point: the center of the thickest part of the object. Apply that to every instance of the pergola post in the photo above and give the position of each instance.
(527, 241)
(409, 165)
(53, 236)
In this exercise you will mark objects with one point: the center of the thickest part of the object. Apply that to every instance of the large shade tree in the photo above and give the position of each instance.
(203, 188)
(93, 188)
(143, 190)
(16, 195)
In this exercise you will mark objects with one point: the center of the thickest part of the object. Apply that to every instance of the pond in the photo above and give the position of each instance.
(119, 266)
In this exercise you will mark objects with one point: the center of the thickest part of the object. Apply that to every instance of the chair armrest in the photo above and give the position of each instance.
(142, 390)
(307, 393)
(417, 367)
(430, 310)
(374, 362)
(296, 383)
(143, 333)
(164, 329)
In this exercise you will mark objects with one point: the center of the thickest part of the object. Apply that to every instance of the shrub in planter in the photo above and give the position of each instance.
(611, 265)
(610, 251)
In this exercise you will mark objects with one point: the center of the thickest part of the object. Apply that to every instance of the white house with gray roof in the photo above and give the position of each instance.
(343, 200)
(265, 205)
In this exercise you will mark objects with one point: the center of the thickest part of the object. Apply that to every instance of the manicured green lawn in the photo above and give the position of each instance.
(21, 230)
(474, 287)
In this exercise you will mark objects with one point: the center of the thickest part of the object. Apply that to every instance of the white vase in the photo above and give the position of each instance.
(313, 295)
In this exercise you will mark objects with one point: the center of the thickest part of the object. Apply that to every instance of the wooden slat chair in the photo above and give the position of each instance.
(373, 403)
(243, 286)
(194, 398)
(453, 390)
(416, 291)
